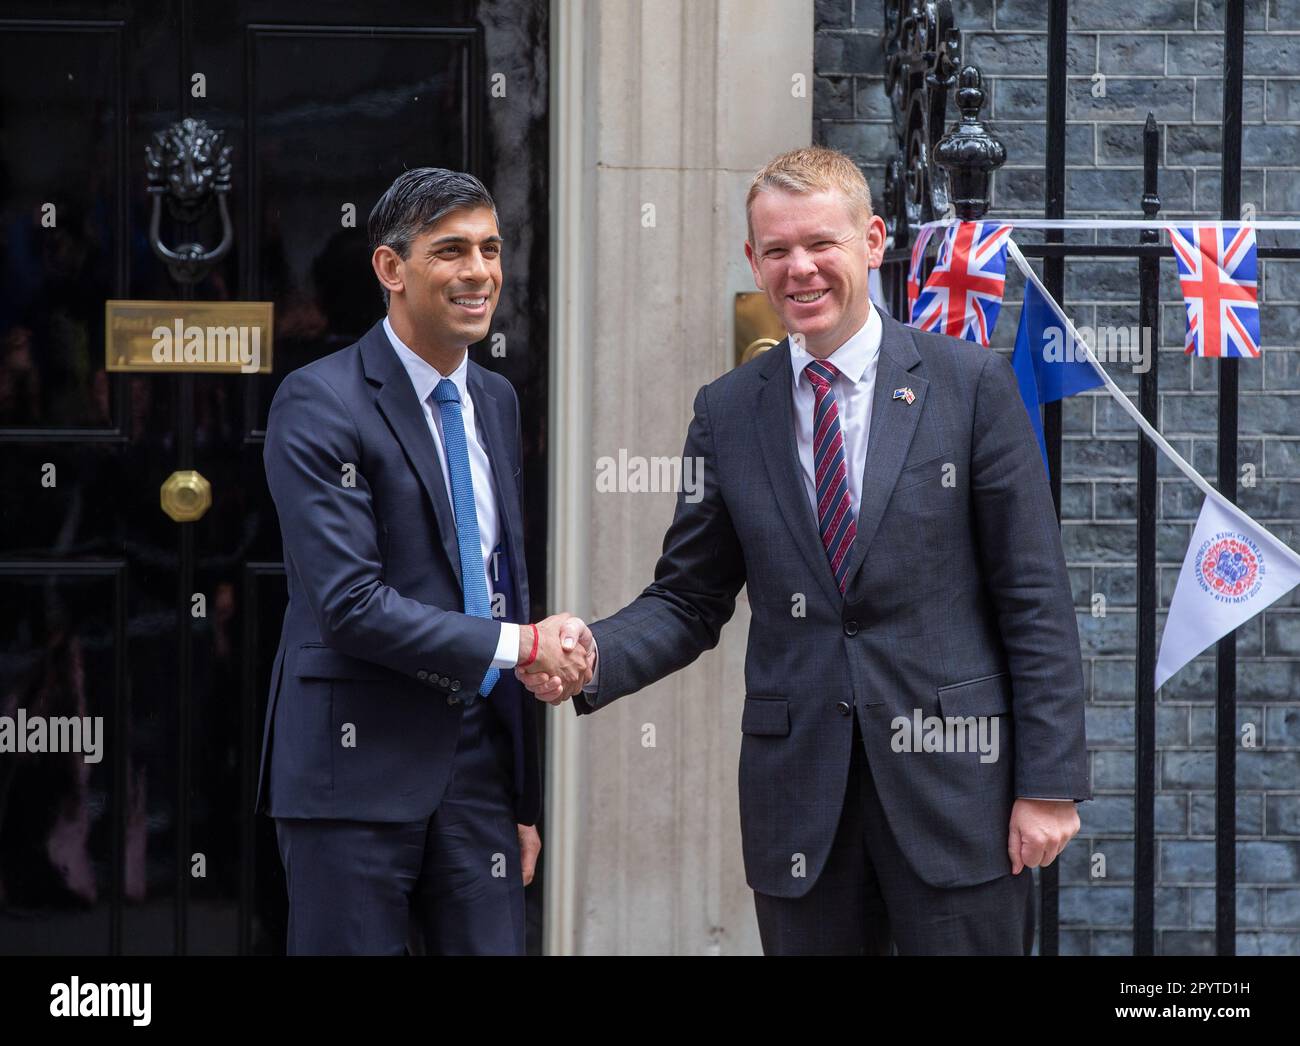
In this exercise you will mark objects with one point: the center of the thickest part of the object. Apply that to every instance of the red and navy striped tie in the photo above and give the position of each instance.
(834, 509)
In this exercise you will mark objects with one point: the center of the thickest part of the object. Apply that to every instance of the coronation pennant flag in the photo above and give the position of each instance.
(1233, 569)
(1218, 270)
(964, 292)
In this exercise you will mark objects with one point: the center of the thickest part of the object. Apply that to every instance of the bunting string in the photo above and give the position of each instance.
(1130, 408)
(1164, 224)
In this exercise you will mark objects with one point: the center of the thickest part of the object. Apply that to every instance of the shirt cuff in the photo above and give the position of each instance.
(590, 688)
(1046, 798)
(507, 655)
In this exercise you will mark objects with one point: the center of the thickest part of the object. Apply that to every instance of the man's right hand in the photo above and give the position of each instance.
(563, 658)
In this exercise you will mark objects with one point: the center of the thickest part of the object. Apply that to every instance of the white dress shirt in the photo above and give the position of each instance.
(424, 377)
(853, 389)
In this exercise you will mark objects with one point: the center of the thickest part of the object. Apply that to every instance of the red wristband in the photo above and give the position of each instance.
(532, 656)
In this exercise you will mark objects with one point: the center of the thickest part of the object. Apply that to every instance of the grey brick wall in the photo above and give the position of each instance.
(1165, 56)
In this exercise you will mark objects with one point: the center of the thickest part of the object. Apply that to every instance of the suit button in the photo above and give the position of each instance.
(455, 685)
(443, 680)
(422, 675)
(843, 707)
(453, 700)
(850, 628)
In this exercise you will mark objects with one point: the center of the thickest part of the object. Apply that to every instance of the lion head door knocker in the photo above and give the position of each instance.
(189, 165)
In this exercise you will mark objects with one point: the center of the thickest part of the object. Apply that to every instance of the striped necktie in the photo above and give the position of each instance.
(834, 509)
(473, 579)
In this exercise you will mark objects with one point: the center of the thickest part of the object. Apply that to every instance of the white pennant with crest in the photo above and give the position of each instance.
(1233, 569)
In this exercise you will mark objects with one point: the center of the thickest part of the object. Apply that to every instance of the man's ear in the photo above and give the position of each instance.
(753, 265)
(876, 234)
(388, 269)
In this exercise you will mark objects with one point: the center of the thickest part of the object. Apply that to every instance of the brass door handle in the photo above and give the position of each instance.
(185, 496)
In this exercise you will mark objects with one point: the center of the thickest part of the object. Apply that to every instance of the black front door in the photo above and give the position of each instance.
(110, 610)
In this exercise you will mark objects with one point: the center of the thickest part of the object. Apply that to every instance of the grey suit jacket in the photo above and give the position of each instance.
(957, 604)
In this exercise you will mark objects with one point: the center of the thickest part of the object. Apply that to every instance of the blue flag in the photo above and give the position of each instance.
(1049, 364)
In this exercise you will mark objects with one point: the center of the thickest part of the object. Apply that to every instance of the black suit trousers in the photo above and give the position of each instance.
(450, 884)
(868, 901)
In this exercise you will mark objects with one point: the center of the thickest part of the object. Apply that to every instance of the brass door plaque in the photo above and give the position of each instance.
(216, 337)
(758, 327)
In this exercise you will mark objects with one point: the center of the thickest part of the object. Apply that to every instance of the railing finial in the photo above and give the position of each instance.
(970, 152)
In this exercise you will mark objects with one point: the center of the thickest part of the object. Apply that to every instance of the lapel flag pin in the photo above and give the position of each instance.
(905, 394)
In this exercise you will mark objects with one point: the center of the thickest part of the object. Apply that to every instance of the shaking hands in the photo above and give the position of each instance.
(564, 660)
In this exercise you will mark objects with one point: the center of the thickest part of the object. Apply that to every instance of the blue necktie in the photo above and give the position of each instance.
(473, 578)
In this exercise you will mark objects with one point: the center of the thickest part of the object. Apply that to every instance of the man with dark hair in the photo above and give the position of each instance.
(399, 760)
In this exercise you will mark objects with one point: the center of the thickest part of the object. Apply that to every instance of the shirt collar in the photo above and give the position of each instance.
(851, 358)
(424, 376)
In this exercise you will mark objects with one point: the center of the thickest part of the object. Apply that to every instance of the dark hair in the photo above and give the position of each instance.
(418, 199)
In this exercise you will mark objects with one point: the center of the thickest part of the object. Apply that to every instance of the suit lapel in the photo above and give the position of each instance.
(893, 424)
(494, 423)
(775, 421)
(404, 413)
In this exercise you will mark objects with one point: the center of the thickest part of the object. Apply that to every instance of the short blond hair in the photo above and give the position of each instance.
(809, 170)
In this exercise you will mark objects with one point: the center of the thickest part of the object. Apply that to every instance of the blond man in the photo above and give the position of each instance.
(881, 493)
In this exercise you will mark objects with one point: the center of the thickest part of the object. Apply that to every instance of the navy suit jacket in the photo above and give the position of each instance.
(374, 634)
(957, 604)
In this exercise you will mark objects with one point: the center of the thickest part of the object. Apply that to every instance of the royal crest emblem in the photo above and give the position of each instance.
(1230, 566)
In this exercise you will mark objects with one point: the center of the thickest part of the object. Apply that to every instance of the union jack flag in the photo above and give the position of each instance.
(914, 270)
(964, 292)
(1218, 270)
